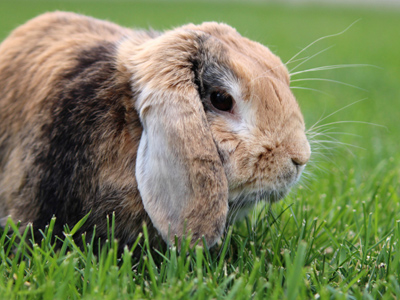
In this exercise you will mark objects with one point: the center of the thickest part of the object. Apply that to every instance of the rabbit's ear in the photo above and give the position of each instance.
(178, 170)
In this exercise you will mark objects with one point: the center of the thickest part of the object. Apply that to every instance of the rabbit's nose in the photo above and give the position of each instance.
(300, 155)
(301, 158)
(299, 161)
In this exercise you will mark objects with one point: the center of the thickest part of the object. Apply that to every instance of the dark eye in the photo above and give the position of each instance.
(221, 100)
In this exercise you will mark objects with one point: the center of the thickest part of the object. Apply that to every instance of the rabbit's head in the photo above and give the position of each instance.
(220, 126)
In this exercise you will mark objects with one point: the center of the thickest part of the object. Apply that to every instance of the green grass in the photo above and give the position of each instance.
(336, 236)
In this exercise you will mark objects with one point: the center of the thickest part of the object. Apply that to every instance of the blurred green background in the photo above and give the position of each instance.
(287, 28)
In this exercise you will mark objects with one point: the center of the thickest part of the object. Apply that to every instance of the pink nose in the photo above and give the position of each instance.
(299, 161)
(301, 154)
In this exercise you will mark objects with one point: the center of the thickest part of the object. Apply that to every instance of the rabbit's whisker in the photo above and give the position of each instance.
(309, 58)
(329, 80)
(330, 67)
(310, 89)
(354, 122)
(314, 126)
(336, 142)
(298, 59)
(327, 133)
(320, 39)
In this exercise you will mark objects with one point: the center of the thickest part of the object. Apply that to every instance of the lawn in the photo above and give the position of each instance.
(336, 236)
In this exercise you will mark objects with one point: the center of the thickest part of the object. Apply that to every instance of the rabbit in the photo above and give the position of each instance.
(171, 129)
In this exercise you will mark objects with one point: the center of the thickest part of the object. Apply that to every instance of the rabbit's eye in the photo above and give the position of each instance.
(221, 101)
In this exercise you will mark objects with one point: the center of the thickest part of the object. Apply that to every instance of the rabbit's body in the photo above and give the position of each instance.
(96, 117)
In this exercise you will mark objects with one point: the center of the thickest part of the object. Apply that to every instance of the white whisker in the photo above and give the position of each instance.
(310, 89)
(331, 67)
(320, 39)
(329, 133)
(310, 57)
(321, 142)
(299, 59)
(331, 114)
(355, 122)
(329, 80)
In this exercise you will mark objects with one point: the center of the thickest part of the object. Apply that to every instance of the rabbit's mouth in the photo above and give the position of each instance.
(264, 186)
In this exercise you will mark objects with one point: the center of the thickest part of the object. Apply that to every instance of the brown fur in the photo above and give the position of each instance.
(78, 96)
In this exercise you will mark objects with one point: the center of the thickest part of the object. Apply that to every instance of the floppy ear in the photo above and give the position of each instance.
(178, 170)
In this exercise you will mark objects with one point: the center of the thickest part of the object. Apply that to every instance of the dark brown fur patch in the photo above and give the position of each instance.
(66, 164)
(87, 114)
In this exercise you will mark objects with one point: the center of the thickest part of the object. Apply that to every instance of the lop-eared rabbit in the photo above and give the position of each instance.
(174, 129)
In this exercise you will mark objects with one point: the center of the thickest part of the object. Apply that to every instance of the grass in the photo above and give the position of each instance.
(336, 236)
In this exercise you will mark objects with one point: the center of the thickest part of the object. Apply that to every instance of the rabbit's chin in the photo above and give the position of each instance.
(262, 189)
(241, 204)
(243, 198)
(249, 198)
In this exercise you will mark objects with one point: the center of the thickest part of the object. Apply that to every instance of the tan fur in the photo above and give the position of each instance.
(158, 156)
